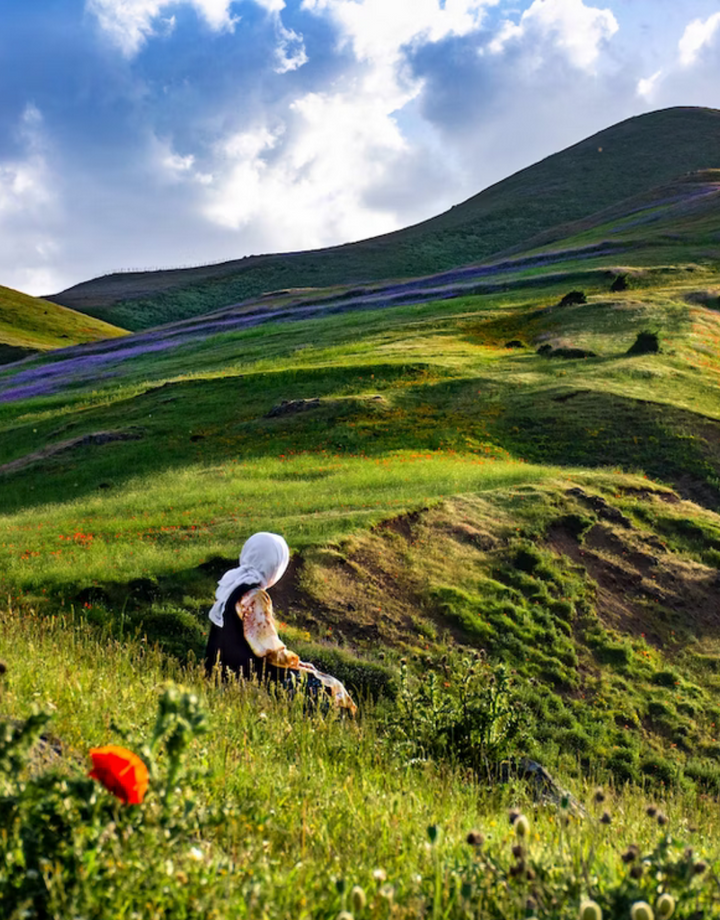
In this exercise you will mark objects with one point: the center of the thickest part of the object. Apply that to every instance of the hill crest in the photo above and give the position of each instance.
(622, 161)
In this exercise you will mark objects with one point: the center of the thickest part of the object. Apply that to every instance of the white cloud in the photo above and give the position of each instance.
(697, 35)
(290, 52)
(129, 23)
(24, 182)
(647, 86)
(579, 30)
(302, 185)
(29, 210)
(377, 29)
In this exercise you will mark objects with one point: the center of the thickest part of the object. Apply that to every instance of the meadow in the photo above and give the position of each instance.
(503, 554)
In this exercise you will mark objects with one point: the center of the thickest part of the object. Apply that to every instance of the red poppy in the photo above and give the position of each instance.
(121, 772)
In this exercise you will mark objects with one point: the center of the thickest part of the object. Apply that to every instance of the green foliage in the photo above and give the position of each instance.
(71, 849)
(460, 710)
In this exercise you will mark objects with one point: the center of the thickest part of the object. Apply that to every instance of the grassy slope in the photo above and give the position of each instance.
(418, 408)
(32, 324)
(443, 491)
(617, 163)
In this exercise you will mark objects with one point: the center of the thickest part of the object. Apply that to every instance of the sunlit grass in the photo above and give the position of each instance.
(176, 519)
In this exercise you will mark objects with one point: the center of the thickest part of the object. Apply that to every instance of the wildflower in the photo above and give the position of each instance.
(641, 910)
(522, 826)
(590, 910)
(358, 899)
(120, 772)
(665, 906)
(379, 875)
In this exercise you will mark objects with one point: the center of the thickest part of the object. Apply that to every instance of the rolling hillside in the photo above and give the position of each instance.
(504, 518)
(29, 324)
(618, 163)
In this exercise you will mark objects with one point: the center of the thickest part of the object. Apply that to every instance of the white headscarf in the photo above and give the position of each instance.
(263, 560)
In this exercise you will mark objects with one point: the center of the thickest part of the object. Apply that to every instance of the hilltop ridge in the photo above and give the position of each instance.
(620, 162)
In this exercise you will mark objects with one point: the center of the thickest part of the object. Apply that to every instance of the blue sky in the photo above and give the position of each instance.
(146, 133)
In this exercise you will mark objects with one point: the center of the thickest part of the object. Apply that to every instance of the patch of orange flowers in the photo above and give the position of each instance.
(121, 772)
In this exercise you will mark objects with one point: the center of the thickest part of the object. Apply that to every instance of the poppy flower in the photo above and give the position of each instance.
(121, 772)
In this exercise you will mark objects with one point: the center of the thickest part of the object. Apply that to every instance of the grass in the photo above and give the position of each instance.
(30, 324)
(311, 809)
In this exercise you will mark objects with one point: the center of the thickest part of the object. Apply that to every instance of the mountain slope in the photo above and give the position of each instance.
(622, 161)
(29, 324)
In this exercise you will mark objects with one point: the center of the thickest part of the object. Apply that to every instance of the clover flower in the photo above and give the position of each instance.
(121, 772)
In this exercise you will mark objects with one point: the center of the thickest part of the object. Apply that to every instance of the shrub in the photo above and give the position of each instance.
(646, 343)
(573, 297)
(462, 710)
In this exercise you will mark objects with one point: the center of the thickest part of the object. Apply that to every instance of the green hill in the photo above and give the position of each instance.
(618, 163)
(493, 470)
(29, 324)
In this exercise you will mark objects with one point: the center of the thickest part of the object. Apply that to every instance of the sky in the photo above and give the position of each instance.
(142, 134)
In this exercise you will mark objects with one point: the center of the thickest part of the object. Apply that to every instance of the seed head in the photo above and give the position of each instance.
(357, 899)
(606, 818)
(599, 795)
(700, 867)
(631, 854)
(636, 871)
(641, 910)
(517, 851)
(475, 839)
(651, 811)
(665, 906)
(589, 910)
(662, 819)
(513, 815)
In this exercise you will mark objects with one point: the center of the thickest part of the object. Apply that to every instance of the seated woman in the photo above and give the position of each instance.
(243, 638)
